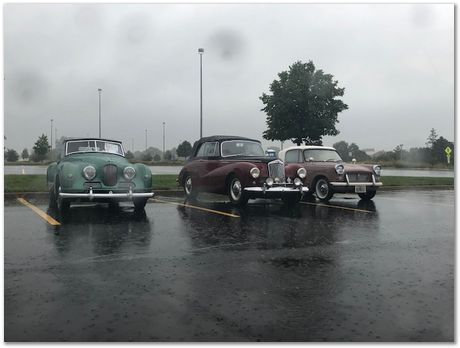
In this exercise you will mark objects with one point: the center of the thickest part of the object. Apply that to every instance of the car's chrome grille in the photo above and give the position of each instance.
(359, 177)
(110, 175)
(276, 169)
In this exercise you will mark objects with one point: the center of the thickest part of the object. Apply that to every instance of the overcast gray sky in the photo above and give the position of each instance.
(395, 61)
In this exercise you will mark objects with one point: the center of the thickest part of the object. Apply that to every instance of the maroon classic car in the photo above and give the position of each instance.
(328, 174)
(238, 167)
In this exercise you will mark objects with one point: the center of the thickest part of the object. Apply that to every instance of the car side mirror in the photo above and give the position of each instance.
(353, 161)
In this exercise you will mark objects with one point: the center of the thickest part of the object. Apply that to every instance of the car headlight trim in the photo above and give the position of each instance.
(129, 173)
(89, 172)
(255, 172)
(302, 173)
(377, 170)
(340, 169)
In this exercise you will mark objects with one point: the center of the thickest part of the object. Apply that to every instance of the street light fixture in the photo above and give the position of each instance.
(146, 140)
(200, 52)
(99, 90)
(51, 139)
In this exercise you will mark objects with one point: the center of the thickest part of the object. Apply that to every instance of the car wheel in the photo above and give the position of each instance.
(323, 190)
(189, 190)
(367, 196)
(292, 199)
(52, 199)
(236, 192)
(139, 203)
(62, 204)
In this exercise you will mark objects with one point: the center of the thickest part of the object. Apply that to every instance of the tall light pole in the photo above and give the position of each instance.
(146, 140)
(163, 140)
(51, 140)
(200, 52)
(99, 90)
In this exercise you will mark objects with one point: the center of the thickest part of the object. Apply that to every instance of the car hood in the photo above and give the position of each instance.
(97, 159)
(356, 168)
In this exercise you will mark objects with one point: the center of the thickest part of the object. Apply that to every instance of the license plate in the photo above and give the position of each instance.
(360, 189)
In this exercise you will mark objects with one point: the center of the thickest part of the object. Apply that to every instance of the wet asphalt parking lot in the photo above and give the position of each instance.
(349, 271)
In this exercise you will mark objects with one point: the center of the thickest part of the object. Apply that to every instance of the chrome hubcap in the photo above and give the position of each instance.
(188, 186)
(322, 189)
(236, 190)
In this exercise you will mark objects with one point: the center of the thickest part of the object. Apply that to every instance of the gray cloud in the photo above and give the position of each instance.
(395, 61)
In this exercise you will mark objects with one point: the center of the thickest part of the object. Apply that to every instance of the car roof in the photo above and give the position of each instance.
(282, 153)
(223, 138)
(101, 139)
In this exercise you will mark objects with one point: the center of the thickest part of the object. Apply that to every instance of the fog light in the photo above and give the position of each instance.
(269, 181)
(277, 180)
(297, 182)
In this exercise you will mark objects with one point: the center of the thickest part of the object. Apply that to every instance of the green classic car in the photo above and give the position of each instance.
(97, 170)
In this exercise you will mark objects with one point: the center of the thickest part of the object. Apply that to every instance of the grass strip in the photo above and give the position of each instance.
(415, 181)
(37, 183)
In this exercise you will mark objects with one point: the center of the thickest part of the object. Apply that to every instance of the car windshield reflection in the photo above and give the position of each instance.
(93, 146)
(242, 148)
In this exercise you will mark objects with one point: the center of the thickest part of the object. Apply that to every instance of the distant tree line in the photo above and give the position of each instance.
(430, 155)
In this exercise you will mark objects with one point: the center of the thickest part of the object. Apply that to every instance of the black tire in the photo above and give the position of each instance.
(368, 195)
(323, 190)
(292, 199)
(235, 191)
(62, 204)
(52, 200)
(139, 203)
(190, 192)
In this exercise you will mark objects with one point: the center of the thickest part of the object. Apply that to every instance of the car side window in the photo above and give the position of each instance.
(208, 150)
(292, 156)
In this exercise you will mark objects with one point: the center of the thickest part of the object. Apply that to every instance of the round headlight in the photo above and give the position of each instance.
(255, 172)
(297, 182)
(129, 173)
(302, 173)
(89, 172)
(269, 181)
(377, 170)
(339, 169)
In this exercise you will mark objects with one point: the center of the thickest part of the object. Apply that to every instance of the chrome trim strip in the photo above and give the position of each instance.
(356, 184)
(92, 195)
(276, 189)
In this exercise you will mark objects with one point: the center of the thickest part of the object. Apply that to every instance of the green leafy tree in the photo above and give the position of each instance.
(184, 149)
(129, 155)
(147, 156)
(25, 154)
(342, 149)
(157, 158)
(438, 150)
(168, 155)
(431, 138)
(11, 155)
(303, 105)
(41, 148)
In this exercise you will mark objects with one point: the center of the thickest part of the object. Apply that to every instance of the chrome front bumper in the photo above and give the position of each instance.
(301, 189)
(91, 195)
(363, 183)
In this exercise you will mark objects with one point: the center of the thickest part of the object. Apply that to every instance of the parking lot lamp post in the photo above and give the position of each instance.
(200, 52)
(51, 140)
(146, 140)
(163, 141)
(99, 90)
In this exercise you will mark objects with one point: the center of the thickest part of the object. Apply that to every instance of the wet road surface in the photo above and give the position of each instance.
(381, 271)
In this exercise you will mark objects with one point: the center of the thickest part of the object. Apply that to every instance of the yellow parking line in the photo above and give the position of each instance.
(199, 208)
(40, 213)
(337, 207)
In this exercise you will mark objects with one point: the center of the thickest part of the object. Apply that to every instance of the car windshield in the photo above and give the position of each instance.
(322, 155)
(93, 146)
(241, 148)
